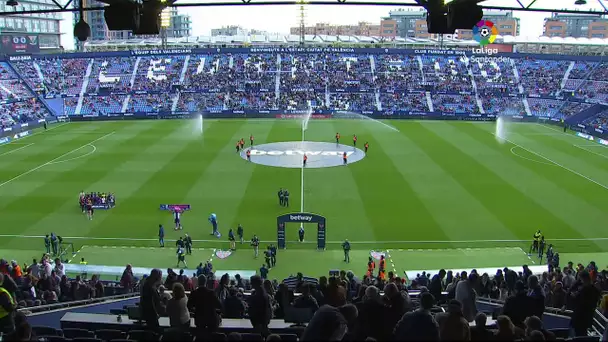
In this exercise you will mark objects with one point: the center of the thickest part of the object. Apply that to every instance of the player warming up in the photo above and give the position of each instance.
(366, 146)
(345, 158)
(251, 140)
(304, 160)
(238, 146)
(337, 138)
(248, 155)
(213, 221)
(181, 257)
(354, 140)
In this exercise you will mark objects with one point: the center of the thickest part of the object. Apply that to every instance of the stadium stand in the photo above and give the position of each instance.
(374, 84)
(559, 302)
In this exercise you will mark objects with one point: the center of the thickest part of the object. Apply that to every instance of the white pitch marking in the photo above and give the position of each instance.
(314, 242)
(53, 160)
(556, 163)
(15, 150)
(27, 136)
(78, 157)
(597, 154)
(532, 160)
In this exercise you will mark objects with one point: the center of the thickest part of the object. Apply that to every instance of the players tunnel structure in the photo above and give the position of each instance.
(301, 218)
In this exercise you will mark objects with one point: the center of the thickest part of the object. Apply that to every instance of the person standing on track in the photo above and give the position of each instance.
(188, 244)
(346, 249)
(255, 243)
(286, 198)
(161, 235)
(239, 232)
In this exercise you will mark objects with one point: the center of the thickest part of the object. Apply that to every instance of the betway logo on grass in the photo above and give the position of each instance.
(291, 154)
(255, 152)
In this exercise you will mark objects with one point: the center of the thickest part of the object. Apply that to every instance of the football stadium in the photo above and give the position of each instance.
(377, 168)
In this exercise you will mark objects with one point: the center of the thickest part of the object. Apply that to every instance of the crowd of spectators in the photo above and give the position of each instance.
(342, 307)
(283, 81)
(381, 309)
(599, 120)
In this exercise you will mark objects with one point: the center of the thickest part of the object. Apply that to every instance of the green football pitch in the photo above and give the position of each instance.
(430, 194)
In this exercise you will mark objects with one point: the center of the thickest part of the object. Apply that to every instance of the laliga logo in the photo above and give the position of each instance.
(485, 32)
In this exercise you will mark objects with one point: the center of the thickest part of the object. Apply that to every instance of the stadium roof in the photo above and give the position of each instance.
(275, 39)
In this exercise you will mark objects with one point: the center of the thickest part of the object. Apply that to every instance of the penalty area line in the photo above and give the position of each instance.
(53, 161)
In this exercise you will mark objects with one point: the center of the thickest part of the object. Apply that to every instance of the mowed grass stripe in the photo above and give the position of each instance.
(557, 191)
(481, 171)
(259, 206)
(385, 193)
(450, 199)
(334, 192)
(45, 149)
(577, 161)
(562, 178)
(53, 206)
(161, 173)
(525, 200)
(566, 144)
(222, 180)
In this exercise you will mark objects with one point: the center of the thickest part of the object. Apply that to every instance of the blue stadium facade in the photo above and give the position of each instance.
(269, 82)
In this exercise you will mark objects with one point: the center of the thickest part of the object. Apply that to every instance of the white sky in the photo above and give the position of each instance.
(280, 18)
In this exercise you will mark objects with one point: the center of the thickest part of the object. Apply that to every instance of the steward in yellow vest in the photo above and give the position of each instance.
(7, 309)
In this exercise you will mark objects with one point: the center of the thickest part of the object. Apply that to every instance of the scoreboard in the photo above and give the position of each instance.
(19, 43)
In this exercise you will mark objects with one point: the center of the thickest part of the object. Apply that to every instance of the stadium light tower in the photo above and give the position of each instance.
(165, 22)
(302, 17)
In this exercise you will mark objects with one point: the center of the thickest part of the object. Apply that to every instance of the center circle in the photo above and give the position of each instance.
(290, 154)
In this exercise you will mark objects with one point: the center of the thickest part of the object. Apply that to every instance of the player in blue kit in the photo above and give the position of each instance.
(213, 221)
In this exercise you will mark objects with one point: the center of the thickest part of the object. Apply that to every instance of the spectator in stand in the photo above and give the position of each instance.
(419, 325)
(506, 329)
(177, 308)
(396, 305)
(480, 331)
(371, 315)
(436, 286)
(260, 310)
(59, 268)
(533, 323)
(206, 307)
(221, 291)
(306, 300)
(336, 293)
(465, 294)
(150, 303)
(537, 296)
(328, 324)
(452, 324)
(234, 307)
(557, 296)
(7, 308)
(585, 297)
(518, 306)
(127, 280)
